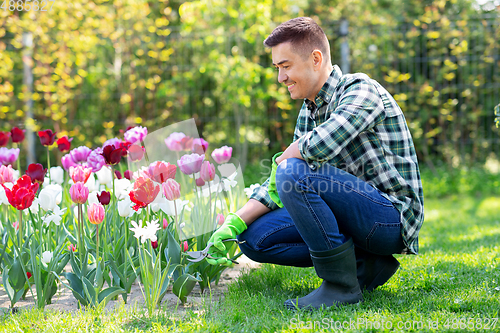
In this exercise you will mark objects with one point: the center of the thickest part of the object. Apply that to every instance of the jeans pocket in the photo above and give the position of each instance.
(385, 238)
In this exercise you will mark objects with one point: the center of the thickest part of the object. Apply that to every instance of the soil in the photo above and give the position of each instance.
(64, 300)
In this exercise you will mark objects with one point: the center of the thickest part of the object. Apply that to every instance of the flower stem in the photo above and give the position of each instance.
(97, 242)
(48, 164)
(20, 233)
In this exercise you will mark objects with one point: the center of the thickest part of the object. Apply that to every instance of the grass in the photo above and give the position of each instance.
(453, 285)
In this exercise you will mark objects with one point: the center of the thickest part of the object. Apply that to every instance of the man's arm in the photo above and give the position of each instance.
(252, 210)
(291, 151)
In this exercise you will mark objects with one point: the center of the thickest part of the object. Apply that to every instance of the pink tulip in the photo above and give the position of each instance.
(79, 173)
(161, 171)
(114, 141)
(171, 189)
(79, 193)
(207, 171)
(8, 156)
(191, 163)
(165, 223)
(6, 174)
(179, 141)
(15, 224)
(95, 213)
(71, 248)
(220, 219)
(199, 182)
(200, 146)
(80, 154)
(136, 134)
(222, 155)
(67, 162)
(185, 246)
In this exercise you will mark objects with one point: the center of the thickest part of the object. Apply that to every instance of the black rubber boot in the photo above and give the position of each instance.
(337, 268)
(374, 270)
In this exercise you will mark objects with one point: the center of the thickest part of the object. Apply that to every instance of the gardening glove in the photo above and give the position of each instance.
(271, 187)
(232, 227)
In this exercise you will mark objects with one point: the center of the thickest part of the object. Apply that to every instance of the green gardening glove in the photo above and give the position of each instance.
(271, 187)
(232, 227)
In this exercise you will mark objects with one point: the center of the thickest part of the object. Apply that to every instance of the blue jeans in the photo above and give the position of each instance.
(323, 208)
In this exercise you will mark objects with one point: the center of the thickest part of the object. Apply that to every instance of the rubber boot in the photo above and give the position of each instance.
(374, 270)
(337, 268)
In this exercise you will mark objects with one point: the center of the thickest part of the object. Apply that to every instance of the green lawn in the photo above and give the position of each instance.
(454, 284)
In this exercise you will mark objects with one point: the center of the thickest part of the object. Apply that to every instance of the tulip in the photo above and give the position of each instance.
(143, 193)
(17, 135)
(95, 160)
(112, 155)
(47, 137)
(127, 174)
(56, 174)
(171, 189)
(80, 173)
(64, 144)
(104, 198)
(36, 172)
(161, 171)
(29, 275)
(199, 182)
(122, 188)
(105, 176)
(125, 208)
(67, 162)
(114, 142)
(4, 138)
(207, 171)
(71, 248)
(136, 153)
(47, 257)
(200, 146)
(8, 156)
(173, 141)
(6, 174)
(136, 134)
(79, 193)
(15, 225)
(220, 219)
(154, 244)
(185, 246)
(165, 223)
(222, 155)
(118, 174)
(125, 145)
(95, 213)
(80, 154)
(22, 194)
(189, 164)
(48, 198)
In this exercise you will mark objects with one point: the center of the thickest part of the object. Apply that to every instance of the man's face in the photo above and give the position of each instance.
(296, 73)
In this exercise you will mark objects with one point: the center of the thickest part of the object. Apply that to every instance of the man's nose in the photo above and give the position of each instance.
(282, 77)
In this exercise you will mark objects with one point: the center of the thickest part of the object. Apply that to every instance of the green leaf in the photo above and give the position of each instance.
(89, 291)
(109, 293)
(184, 285)
(16, 275)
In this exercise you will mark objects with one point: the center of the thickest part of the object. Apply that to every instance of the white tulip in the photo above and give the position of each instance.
(91, 183)
(125, 208)
(122, 188)
(105, 176)
(3, 197)
(49, 196)
(92, 198)
(47, 257)
(56, 176)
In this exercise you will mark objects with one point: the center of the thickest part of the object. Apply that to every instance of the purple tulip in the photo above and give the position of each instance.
(67, 162)
(114, 141)
(8, 156)
(80, 154)
(95, 160)
(136, 134)
(222, 154)
(191, 163)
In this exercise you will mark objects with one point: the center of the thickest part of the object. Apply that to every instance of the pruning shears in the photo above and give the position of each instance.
(197, 256)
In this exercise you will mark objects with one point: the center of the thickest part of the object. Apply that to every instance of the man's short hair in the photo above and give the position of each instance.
(303, 33)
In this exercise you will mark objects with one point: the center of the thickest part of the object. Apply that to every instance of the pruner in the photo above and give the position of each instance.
(197, 256)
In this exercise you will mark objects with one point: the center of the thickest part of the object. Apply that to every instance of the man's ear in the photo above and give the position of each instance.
(317, 58)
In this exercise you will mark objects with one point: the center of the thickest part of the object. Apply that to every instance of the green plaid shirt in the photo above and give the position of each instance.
(355, 125)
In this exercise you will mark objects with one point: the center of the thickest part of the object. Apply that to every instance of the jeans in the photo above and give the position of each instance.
(323, 208)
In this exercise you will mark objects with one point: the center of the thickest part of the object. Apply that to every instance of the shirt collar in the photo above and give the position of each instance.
(324, 96)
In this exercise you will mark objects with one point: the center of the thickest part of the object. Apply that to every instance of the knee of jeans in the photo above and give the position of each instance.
(287, 173)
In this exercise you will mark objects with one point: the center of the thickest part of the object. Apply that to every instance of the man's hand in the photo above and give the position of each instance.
(291, 151)
(232, 227)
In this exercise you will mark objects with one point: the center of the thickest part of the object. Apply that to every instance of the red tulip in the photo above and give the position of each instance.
(29, 275)
(71, 248)
(127, 174)
(4, 138)
(154, 244)
(17, 135)
(112, 155)
(36, 172)
(22, 194)
(47, 137)
(64, 144)
(161, 171)
(143, 193)
(118, 174)
(104, 198)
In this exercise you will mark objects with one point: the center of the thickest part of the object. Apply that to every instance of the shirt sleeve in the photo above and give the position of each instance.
(260, 194)
(359, 108)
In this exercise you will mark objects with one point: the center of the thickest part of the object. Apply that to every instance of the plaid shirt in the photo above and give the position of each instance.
(355, 125)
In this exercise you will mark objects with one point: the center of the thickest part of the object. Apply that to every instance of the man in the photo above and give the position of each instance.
(349, 184)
